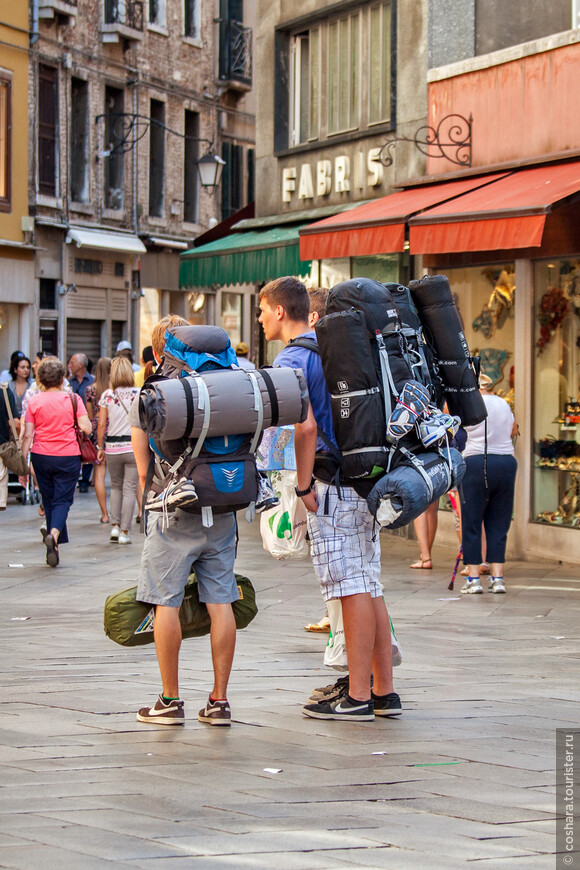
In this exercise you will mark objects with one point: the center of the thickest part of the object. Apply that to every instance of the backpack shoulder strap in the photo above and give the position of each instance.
(305, 341)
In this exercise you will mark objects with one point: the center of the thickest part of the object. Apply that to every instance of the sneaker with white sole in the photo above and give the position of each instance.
(387, 705)
(124, 538)
(216, 713)
(178, 493)
(162, 713)
(267, 496)
(472, 586)
(496, 585)
(332, 690)
(342, 708)
(114, 536)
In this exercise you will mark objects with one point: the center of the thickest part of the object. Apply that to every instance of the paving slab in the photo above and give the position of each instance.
(466, 775)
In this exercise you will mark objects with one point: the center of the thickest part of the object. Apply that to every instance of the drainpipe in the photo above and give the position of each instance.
(34, 28)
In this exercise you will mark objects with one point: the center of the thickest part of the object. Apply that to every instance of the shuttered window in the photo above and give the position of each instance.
(47, 129)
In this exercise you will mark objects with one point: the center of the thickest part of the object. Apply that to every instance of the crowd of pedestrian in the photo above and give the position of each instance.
(61, 403)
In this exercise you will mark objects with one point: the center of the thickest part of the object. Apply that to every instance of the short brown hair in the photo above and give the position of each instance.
(291, 294)
(122, 374)
(318, 296)
(159, 330)
(51, 372)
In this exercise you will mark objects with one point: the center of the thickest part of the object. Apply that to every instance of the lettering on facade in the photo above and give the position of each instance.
(341, 175)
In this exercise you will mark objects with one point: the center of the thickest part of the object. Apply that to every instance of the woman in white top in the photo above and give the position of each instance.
(114, 407)
(488, 489)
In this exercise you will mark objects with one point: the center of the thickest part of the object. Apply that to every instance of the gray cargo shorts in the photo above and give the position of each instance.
(170, 554)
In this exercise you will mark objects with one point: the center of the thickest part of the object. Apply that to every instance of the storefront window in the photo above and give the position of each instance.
(383, 268)
(149, 315)
(197, 308)
(556, 478)
(485, 298)
(334, 271)
(231, 316)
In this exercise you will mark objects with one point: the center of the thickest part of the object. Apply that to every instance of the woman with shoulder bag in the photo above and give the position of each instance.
(114, 406)
(50, 434)
(93, 395)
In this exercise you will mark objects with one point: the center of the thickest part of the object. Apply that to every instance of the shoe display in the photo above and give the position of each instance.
(114, 536)
(496, 585)
(124, 538)
(267, 496)
(216, 713)
(387, 705)
(161, 713)
(472, 587)
(341, 708)
(179, 493)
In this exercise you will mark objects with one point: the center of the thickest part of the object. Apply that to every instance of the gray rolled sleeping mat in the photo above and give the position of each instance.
(223, 402)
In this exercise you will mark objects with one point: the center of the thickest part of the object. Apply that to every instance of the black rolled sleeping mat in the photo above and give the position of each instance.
(434, 300)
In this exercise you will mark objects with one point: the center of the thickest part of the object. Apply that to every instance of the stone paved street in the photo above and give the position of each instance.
(465, 775)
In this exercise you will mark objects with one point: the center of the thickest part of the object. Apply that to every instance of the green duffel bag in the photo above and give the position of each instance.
(130, 623)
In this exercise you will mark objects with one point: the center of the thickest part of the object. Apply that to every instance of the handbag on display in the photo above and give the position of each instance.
(10, 452)
(86, 446)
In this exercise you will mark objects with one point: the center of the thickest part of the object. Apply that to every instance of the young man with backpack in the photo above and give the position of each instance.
(345, 544)
(173, 544)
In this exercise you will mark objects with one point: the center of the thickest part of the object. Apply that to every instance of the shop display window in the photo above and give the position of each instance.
(485, 299)
(231, 316)
(556, 391)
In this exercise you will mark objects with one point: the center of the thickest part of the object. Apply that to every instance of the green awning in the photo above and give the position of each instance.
(244, 258)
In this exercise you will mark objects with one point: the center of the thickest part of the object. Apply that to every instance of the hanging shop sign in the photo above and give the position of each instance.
(317, 180)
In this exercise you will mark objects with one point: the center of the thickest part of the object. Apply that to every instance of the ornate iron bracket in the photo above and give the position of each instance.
(126, 129)
(451, 139)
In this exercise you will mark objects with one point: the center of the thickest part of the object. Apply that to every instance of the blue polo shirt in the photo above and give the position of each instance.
(79, 387)
(296, 357)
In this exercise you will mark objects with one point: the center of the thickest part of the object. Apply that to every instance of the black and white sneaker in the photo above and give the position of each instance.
(387, 705)
(267, 496)
(161, 713)
(179, 493)
(343, 707)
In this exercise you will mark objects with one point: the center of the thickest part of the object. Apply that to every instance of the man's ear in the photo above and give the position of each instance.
(280, 312)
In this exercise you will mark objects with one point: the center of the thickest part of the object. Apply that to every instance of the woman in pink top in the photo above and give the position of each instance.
(50, 435)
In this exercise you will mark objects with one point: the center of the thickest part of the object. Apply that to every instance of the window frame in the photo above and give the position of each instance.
(160, 19)
(75, 151)
(54, 185)
(285, 106)
(6, 138)
(195, 20)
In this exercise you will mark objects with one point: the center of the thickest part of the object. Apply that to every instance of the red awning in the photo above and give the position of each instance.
(378, 227)
(509, 213)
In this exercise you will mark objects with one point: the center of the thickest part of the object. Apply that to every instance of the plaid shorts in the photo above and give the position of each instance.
(346, 550)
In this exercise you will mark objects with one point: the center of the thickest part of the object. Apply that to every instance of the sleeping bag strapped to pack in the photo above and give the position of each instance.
(361, 349)
(401, 495)
(433, 298)
(228, 401)
(204, 419)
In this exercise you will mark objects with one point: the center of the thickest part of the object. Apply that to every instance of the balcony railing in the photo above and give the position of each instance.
(235, 53)
(123, 18)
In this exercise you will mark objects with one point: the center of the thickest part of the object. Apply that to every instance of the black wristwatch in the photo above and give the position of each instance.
(302, 492)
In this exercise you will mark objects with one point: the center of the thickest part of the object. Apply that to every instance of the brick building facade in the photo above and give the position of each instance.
(125, 97)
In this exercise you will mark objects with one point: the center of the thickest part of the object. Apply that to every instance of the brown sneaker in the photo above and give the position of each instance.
(162, 713)
(216, 713)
